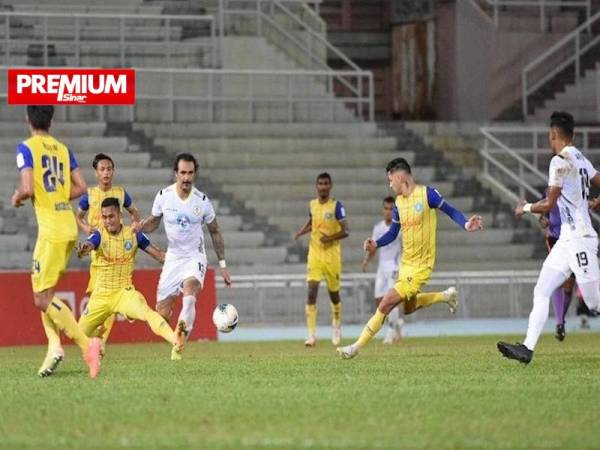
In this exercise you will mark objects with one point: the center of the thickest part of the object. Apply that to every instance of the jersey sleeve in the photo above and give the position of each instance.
(558, 170)
(392, 233)
(591, 170)
(435, 200)
(157, 205)
(340, 211)
(127, 201)
(84, 202)
(94, 239)
(142, 240)
(209, 212)
(24, 157)
(72, 161)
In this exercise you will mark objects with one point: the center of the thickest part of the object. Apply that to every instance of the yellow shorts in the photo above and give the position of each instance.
(411, 281)
(50, 260)
(317, 271)
(126, 301)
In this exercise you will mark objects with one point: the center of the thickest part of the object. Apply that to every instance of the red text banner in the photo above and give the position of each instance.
(71, 86)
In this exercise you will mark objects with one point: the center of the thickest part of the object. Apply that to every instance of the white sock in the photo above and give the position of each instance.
(188, 312)
(393, 316)
(537, 320)
(548, 280)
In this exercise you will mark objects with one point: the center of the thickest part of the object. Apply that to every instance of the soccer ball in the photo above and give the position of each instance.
(225, 317)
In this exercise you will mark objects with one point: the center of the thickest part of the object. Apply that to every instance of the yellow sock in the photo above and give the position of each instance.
(51, 330)
(108, 324)
(336, 313)
(160, 326)
(425, 299)
(373, 326)
(62, 316)
(311, 319)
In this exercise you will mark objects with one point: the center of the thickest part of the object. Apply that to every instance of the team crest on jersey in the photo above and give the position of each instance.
(418, 207)
(328, 215)
(128, 245)
(184, 222)
(197, 211)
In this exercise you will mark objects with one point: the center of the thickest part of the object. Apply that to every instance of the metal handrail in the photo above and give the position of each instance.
(541, 4)
(262, 18)
(164, 21)
(212, 95)
(550, 70)
(518, 178)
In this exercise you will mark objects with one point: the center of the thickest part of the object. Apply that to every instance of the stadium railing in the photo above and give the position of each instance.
(301, 40)
(170, 89)
(72, 34)
(515, 158)
(279, 298)
(542, 5)
(567, 52)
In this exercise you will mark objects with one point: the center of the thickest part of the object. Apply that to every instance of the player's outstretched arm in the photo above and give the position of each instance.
(25, 189)
(544, 206)
(78, 185)
(475, 223)
(306, 228)
(84, 248)
(435, 200)
(147, 225)
(219, 246)
(156, 253)
(343, 233)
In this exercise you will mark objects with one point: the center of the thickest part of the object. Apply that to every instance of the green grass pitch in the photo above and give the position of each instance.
(426, 393)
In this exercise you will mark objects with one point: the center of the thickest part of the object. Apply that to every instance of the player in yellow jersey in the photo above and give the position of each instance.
(89, 204)
(116, 247)
(51, 177)
(416, 215)
(327, 226)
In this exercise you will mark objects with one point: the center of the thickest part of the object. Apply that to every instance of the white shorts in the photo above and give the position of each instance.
(177, 269)
(578, 256)
(384, 281)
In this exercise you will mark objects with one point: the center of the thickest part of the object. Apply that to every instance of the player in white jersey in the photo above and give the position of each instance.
(576, 250)
(387, 271)
(184, 209)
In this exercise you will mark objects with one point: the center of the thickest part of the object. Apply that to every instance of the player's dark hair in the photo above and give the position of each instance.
(564, 122)
(101, 156)
(185, 157)
(389, 199)
(40, 116)
(324, 176)
(111, 201)
(398, 164)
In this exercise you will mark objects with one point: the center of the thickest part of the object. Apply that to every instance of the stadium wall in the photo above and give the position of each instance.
(21, 323)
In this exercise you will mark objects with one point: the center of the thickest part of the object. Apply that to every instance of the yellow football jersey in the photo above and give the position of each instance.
(94, 199)
(418, 224)
(115, 257)
(52, 163)
(325, 219)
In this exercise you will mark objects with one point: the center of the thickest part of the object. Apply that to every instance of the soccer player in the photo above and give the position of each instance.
(387, 270)
(113, 292)
(416, 214)
(561, 297)
(89, 204)
(51, 177)
(576, 249)
(185, 209)
(327, 226)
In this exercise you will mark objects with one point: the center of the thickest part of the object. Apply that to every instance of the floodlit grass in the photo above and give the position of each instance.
(435, 393)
